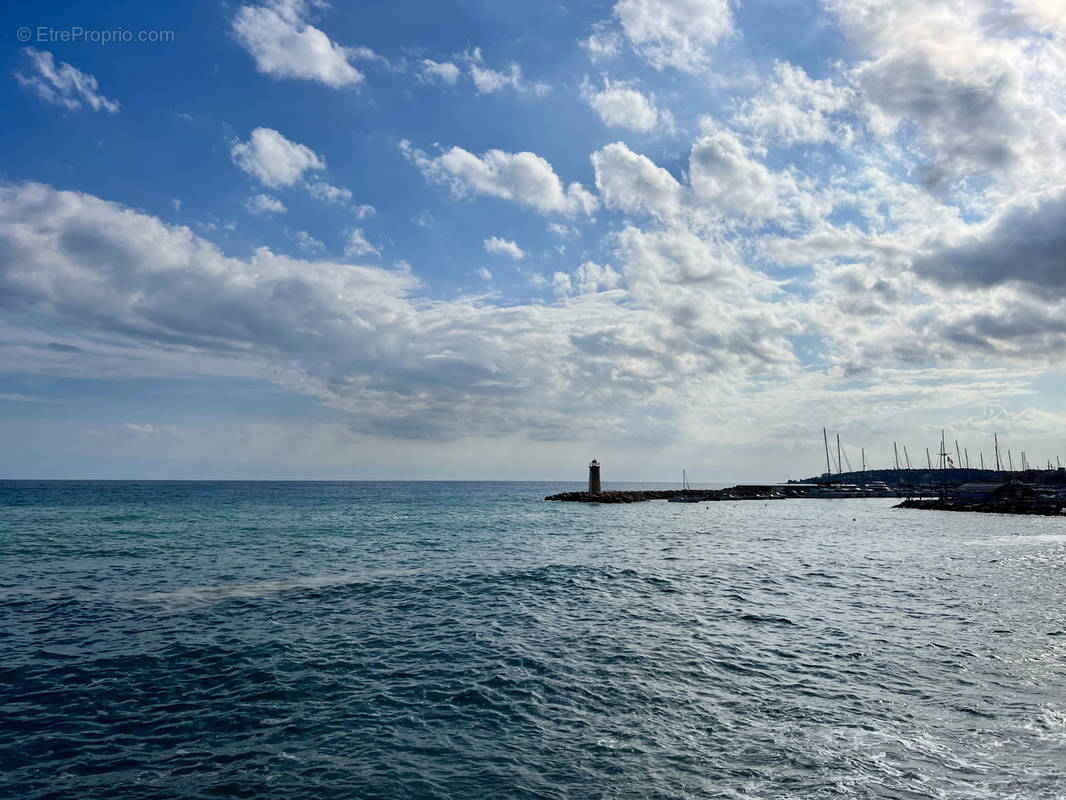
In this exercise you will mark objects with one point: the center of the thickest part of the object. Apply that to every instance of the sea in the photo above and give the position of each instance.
(470, 640)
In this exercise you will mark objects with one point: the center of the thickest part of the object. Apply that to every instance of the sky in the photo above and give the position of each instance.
(484, 240)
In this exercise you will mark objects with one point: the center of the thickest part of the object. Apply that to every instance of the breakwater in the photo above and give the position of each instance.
(688, 495)
(632, 496)
(1051, 506)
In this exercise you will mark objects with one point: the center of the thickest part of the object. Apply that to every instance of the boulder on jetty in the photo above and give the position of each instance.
(1041, 506)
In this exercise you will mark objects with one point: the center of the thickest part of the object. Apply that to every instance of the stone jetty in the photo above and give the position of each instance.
(768, 492)
(633, 496)
(1042, 506)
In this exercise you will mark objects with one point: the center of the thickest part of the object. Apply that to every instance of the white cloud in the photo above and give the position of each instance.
(634, 183)
(329, 194)
(977, 101)
(561, 283)
(675, 33)
(915, 249)
(363, 211)
(435, 71)
(274, 160)
(620, 105)
(601, 44)
(593, 277)
(524, 178)
(1044, 14)
(308, 243)
(285, 45)
(265, 204)
(724, 176)
(356, 244)
(795, 108)
(64, 85)
(139, 291)
(494, 244)
(490, 81)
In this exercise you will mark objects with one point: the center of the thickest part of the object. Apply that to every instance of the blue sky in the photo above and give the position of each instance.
(484, 240)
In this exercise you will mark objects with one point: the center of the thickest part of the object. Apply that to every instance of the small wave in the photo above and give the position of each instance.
(220, 593)
(774, 620)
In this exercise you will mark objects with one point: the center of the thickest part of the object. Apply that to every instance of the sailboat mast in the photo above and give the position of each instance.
(896, 451)
(995, 439)
(839, 468)
(825, 438)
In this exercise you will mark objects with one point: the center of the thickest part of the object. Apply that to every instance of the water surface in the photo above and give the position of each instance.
(468, 640)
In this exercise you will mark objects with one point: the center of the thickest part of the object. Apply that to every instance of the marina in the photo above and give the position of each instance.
(950, 486)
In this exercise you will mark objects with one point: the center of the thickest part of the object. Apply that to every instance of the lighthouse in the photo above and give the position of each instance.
(594, 477)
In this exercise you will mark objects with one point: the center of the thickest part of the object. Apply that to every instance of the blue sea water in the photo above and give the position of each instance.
(468, 640)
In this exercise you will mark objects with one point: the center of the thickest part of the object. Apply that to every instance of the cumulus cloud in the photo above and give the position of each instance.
(977, 99)
(621, 105)
(274, 160)
(601, 44)
(726, 184)
(62, 85)
(362, 339)
(561, 283)
(1024, 245)
(593, 277)
(724, 175)
(675, 33)
(1044, 14)
(494, 244)
(524, 178)
(432, 71)
(356, 244)
(490, 81)
(265, 204)
(308, 243)
(284, 44)
(634, 183)
(796, 109)
(320, 190)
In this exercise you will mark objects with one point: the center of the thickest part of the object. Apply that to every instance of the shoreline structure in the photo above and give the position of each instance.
(1003, 492)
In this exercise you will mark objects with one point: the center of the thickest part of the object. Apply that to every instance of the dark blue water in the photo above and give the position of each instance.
(468, 640)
